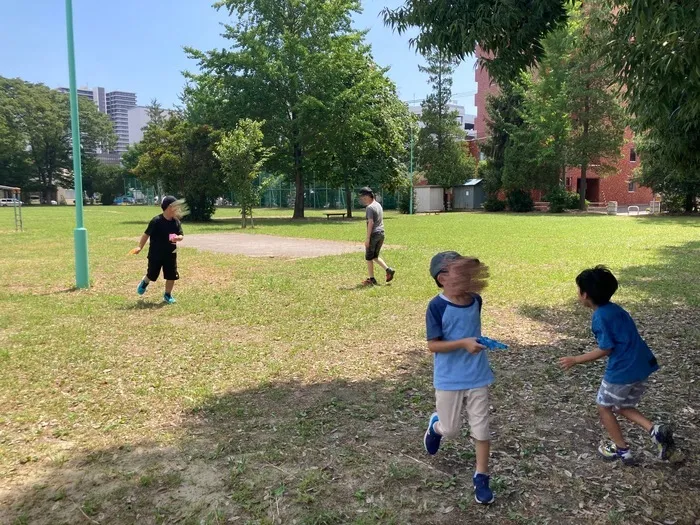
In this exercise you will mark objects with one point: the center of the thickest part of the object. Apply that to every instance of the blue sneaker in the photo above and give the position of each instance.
(431, 440)
(482, 491)
(169, 299)
(142, 287)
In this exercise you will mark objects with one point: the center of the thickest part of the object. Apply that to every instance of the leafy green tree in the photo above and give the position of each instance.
(669, 169)
(178, 156)
(242, 155)
(105, 179)
(597, 119)
(504, 110)
(510, 32)
(366, 143)
(563, 114)
(440, 153)
(15, 165)
(39, 119)
(654, 47)
(272, 73)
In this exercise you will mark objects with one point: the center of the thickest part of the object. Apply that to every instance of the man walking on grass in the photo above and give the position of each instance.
(375, 236)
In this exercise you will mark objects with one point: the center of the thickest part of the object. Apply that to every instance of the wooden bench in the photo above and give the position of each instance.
(335, 214)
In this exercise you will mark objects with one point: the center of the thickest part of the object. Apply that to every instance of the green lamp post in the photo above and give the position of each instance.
(80, 235)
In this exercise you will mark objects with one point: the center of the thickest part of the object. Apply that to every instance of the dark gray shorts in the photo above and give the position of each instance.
(376, 241)
(621, 396)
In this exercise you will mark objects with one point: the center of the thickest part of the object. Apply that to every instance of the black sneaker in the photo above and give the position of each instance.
(370, 281)
(390, 275)
(662, 436)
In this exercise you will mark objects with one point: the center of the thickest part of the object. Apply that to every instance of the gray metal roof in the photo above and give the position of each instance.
(472, 182)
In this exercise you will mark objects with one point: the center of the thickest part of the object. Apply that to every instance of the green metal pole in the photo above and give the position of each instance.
(410, 174)
(82, 271)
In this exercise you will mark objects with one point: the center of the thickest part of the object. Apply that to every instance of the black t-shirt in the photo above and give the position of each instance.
(159, 229)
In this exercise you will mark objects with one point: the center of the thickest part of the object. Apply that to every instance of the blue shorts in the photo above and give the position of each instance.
(621, 396)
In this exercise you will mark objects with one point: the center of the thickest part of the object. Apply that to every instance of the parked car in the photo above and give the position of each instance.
(10, 202)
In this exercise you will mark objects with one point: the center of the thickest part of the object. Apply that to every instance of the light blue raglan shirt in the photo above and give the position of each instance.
(457, 370)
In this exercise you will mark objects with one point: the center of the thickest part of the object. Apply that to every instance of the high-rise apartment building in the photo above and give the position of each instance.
(118, 105)
(82, 92)
(98, 97)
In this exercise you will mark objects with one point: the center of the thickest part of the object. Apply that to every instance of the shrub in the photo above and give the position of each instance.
(573, 200)
(494, 204)
(405, 201)
(520, 201)
(558, 199)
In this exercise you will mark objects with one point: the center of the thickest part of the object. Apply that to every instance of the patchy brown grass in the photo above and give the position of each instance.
(277, 392)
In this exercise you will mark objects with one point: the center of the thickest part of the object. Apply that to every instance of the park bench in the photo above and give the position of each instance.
(330, 214)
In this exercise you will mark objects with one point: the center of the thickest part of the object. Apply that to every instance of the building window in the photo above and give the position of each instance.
(633, 155)
(631, 186)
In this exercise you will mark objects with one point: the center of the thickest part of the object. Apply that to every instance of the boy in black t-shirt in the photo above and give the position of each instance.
(165, 232)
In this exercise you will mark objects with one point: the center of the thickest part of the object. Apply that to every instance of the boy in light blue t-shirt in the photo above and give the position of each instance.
(462, 373)
(630, 363)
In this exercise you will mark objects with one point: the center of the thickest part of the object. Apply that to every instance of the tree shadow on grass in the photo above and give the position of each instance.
(663, 299)
(342, 451)
(58, 292)
(144, 305)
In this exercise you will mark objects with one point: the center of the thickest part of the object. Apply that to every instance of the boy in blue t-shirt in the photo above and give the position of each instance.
(630, 363)
(462, 373)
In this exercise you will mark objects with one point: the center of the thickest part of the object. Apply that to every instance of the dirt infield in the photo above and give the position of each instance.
(254, 245)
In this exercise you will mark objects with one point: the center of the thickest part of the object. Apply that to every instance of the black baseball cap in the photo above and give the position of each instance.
(167, 201)
(366, 191)
(440, 261)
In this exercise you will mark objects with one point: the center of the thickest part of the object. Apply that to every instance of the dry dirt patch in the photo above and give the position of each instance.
(254, 245)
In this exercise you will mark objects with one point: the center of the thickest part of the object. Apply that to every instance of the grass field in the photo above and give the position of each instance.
(277, 391)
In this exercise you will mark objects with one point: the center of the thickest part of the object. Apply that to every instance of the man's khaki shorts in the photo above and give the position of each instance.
(450, 404)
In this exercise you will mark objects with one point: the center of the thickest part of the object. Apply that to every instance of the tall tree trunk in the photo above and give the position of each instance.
(440, 107)
(689, 202)
(584, 184)
(348, 196)
(298, 183)
(584, 163)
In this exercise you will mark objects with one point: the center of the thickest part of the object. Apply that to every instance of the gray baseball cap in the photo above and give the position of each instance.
(440, 261)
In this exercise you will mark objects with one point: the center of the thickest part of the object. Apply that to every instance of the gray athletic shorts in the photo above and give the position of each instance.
(621, 396)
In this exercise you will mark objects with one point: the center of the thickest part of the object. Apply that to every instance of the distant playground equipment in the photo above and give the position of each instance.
(15, 201)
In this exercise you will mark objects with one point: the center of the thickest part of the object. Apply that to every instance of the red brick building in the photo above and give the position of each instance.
(618, 187)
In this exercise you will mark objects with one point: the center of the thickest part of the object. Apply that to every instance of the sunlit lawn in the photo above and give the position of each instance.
(276, 390)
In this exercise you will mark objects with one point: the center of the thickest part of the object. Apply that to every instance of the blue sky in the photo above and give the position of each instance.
(132, 45)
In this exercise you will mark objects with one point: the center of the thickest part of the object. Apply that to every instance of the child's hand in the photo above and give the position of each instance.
(567, 362)
(136, 250)
(471, 346)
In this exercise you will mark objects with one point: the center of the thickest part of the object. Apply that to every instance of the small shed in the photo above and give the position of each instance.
(469, 196)
(429, 198)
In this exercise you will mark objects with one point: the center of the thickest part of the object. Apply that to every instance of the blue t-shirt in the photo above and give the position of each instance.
(630, 359)
(457, 370)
